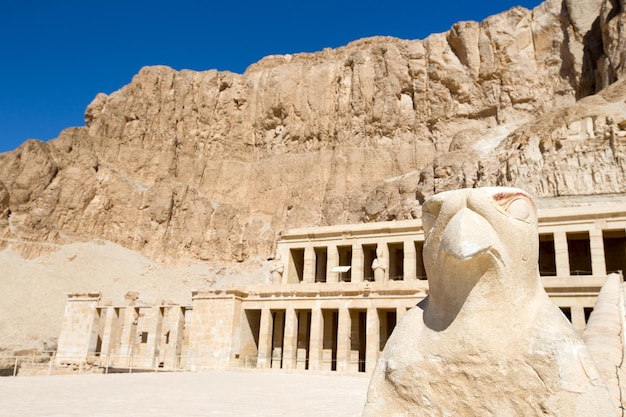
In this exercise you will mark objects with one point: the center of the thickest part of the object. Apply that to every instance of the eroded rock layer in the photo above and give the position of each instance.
(212, 165)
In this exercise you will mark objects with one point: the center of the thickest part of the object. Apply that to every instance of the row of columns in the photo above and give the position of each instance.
(121, 348)
(112, 334)
(358, 266)
(268, 333)
(596, 246)
(357, 263)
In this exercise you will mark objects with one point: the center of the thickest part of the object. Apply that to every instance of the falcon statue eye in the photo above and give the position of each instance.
(520, 209)
(517, 205)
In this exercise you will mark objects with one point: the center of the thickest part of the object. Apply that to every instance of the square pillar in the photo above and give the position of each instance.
(561, 254)
(175, 325)
(154, 338)
(596, 246)
(278, 338)
(303, 341)
(265, 339)
(79, 332)
(216, 322)
(399, 313)
(129, 331)
(333, 261)
(290, 340)
(317, 338)
(343, 340)
(309, 265)
(357, 263)
(108, 336)
(578, 319)
(410, 261)
(372, 339)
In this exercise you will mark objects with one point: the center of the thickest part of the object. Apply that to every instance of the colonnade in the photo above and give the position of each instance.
(343, 339)
(588, 247)
(342, 325)
(121, 336)
(309, 264)
(567, 262)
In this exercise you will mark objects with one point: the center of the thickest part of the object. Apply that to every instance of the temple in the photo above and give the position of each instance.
(334, 297)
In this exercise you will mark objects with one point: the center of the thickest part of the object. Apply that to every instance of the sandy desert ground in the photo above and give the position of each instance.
(214, 394)
(35, 290)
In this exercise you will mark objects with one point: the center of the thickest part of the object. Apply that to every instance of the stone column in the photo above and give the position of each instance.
(410, 261)
(265, 339)
(372, 339)
(154, 337)
(108, 335)
(290, 340)
(309, 265)
(303, 330)
(578, 319)
(329, 333)
(357, 263)
(278, 339)
(317, 339)
(129, 330)
(399, 313)
(343, 340)
(175, 322)
(596, 244)
(333, 261)
(561, 254)
(79, 331)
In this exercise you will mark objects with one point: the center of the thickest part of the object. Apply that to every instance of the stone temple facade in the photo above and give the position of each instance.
(335, 295)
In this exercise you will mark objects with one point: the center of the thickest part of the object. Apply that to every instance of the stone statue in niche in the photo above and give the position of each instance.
(276, 270)
(487, 341)
(379, 265)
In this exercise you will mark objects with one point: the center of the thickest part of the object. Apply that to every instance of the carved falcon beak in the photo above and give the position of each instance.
(469, 235)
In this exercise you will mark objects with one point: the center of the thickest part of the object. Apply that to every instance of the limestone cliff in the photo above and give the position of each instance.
(212, 165)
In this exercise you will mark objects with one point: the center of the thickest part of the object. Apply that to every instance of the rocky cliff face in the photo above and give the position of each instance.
(212, 165)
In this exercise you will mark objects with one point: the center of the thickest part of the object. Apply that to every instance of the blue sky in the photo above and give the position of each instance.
(55, 56)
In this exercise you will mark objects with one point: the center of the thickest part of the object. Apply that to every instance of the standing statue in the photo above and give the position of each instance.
(276, 270)
(487, 341)
(379, 265)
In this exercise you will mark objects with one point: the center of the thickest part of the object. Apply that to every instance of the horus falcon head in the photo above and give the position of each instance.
(480, 241)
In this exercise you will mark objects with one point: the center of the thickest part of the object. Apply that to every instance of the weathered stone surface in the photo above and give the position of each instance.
(604, 338)
(210, 166)
(487, 340)
(4, 200)
(576, 150)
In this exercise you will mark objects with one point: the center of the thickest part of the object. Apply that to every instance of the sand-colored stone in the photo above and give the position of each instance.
(327, 318)
(211, 165)
(187, 167)
(604, 336)
(487, 340)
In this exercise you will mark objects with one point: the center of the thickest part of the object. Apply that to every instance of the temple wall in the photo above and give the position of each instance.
(79, 333)
(215, 332)
(339, 293)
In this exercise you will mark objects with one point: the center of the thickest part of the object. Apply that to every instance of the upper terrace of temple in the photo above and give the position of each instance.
(588, 240)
